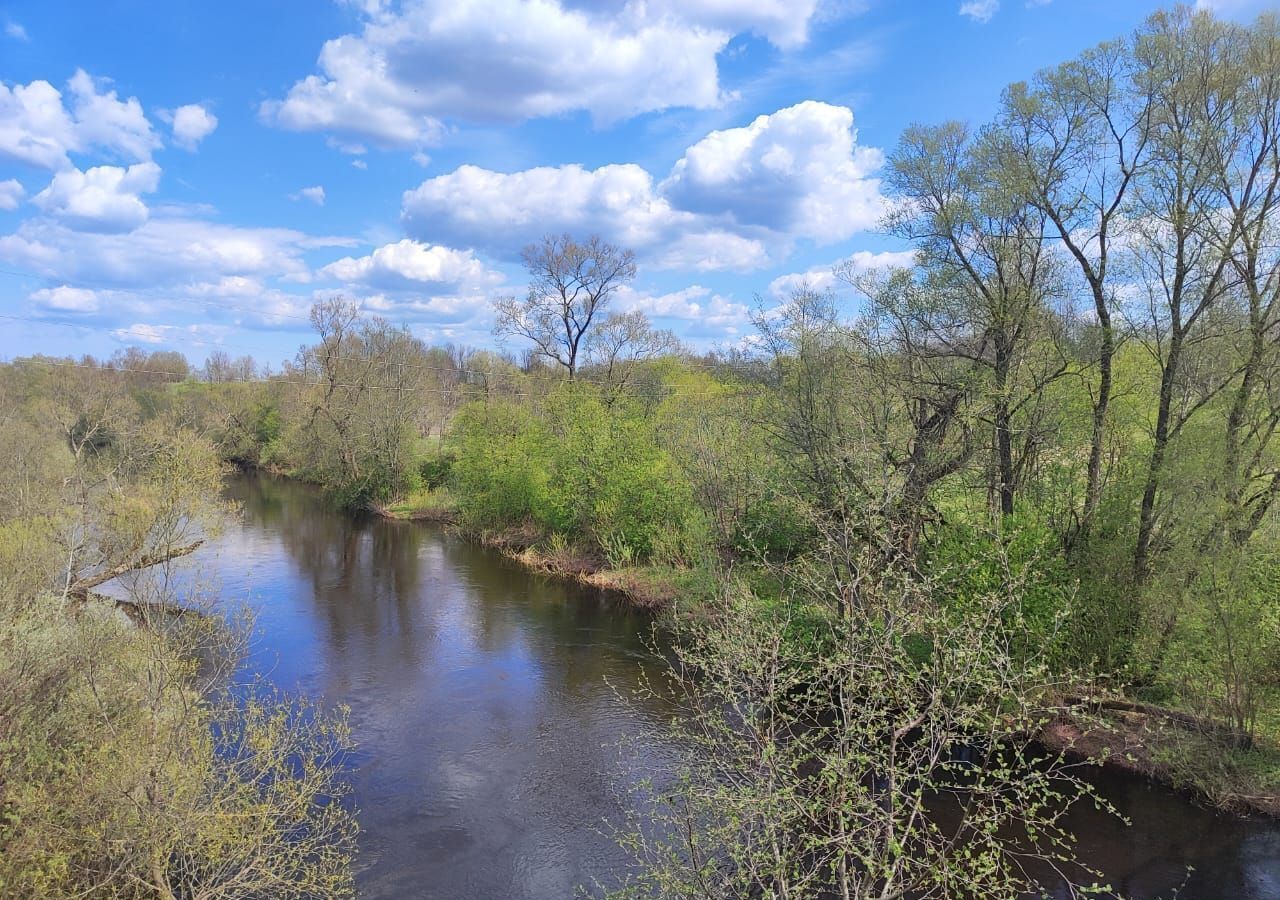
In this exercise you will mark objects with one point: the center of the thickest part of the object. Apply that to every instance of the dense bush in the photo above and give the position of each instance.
(583, 469)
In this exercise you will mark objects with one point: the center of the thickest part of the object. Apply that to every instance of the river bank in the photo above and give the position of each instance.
(1172, 748)
(1165, 746)
(650, 587)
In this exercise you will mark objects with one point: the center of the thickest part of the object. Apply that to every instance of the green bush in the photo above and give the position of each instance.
(776, 528)
(435, 470)
(590, 471)
(501, 469)
(1022, 557)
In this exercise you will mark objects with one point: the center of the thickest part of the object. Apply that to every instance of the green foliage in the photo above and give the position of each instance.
(131, 769)
(584, 469)
(776, 528)
(501, 474)
(434, 470)
(814, 767)
(1023, 558)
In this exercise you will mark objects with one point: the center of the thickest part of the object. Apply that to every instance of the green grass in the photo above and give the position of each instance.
(424, 503)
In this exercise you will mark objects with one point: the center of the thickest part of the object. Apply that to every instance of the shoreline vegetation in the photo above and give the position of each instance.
(1146, 740)
(1164, 745)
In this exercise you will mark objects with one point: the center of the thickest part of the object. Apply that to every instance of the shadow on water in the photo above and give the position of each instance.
(484, 702)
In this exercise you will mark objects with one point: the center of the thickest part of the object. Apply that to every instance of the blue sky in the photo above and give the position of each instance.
(191, 175)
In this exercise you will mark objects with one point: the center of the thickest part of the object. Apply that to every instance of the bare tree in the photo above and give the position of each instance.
(572, 286)
(624, 338)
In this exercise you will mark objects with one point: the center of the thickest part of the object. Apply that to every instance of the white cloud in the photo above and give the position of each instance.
(359, 164)
(11, 194)
(412, 264)
(980, 10)
(67, 299)
(103, 120)
(105, 198)
(823, 278)
(143, 333)
(37, 128)
(797, 171)
(692, 304)
(714, 250)
(501, 212)
(34, 126)
(314, 193)
(164, 252)
(16, 31)
(733, 201)
(510, 60)
(192, 124)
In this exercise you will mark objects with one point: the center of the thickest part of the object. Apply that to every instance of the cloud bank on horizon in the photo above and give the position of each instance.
(714, 138)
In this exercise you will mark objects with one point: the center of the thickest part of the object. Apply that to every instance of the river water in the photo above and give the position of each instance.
(495, 747)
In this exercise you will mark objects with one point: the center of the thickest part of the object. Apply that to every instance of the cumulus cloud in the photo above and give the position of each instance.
(823, 278)
(11, 194)
(314, 193)
(506, 60)
(16, 31)
(980, 10)
(191, 125)
(796, 171)
(732, 201)
(35, 128)
(500, 212)
(39, 129)
(66, 299)
(104, 199)
(410, 264)
(104, 120)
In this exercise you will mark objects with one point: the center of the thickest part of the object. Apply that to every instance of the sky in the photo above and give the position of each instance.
(193, 176)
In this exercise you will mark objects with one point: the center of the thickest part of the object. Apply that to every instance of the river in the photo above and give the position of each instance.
(496, 748)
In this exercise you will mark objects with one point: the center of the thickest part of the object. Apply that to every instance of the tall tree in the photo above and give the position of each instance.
(989, 279)
(1073, 141)
(1191, 66)
(573, 284)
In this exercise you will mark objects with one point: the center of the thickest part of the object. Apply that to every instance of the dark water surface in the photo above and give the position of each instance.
(493, 746)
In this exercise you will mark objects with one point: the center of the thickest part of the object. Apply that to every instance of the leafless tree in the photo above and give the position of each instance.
(573, 284)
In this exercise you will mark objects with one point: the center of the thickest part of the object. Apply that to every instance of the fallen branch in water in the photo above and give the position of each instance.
(80, 588)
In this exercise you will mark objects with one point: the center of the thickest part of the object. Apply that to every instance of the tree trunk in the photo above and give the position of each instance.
(80, 588)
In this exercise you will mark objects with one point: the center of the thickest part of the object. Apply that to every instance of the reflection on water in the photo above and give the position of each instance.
(483, 700)
(485, 703)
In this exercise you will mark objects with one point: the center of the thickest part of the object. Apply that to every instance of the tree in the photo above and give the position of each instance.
(353, 437)
(623, 338)
(220, 367)
(887, 754)
(571, 289)
(990, 279)
(1072, 143)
